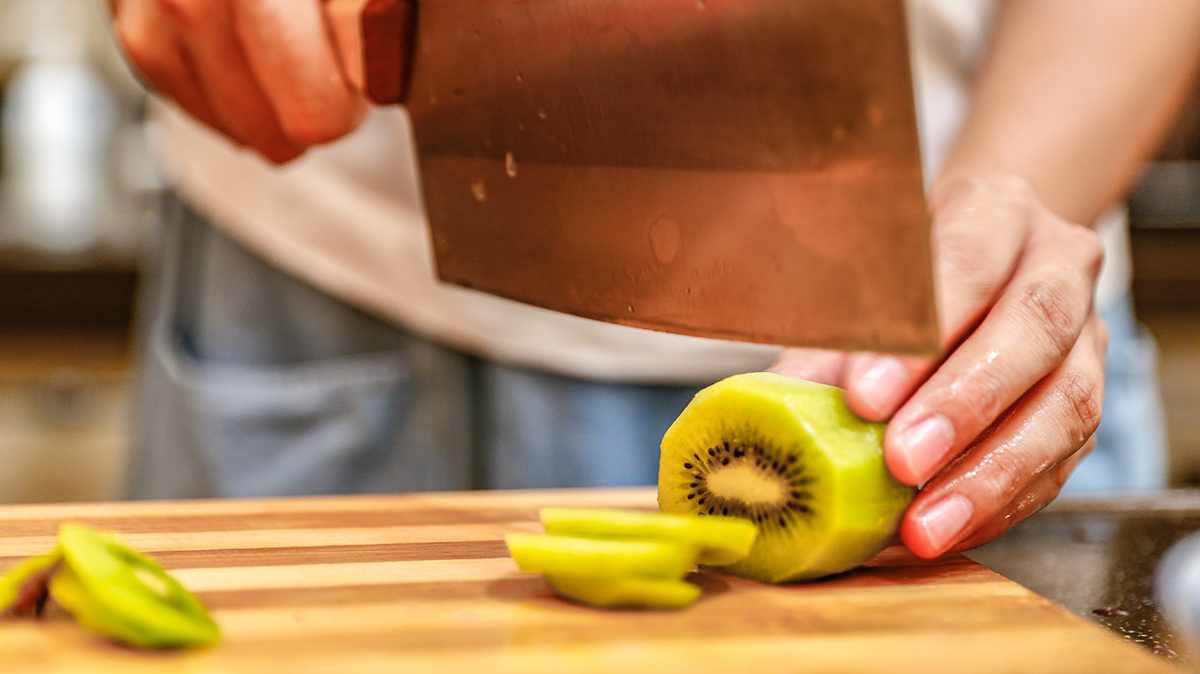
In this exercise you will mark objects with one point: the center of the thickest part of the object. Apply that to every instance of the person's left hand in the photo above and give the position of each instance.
(993, 430)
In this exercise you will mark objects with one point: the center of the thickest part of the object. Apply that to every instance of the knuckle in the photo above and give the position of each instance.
(189, 14)
(142, 50)
(1084, 396)
(1010, 188)
(1008, 474)
(1052, 308)
(306, 131)
(963, 254)
(313, 125)
(976, 403)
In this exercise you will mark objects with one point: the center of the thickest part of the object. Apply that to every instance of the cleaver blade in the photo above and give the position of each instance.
(735, 169)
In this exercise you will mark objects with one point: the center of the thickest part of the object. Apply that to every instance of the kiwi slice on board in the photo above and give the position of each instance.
(788, 455)
(627, 592)
(721, 540)
(123, 594)
(23, 589)
(595, 558)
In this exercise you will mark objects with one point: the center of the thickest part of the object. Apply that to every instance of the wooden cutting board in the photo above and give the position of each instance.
(417, 583)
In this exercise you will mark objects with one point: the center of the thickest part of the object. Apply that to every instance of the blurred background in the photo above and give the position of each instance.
(78, 192)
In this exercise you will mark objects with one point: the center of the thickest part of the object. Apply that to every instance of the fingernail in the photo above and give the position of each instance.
(945, 520)
(882, 384)
(925, 445)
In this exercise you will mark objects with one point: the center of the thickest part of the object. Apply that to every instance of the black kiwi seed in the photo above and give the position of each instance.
(764, 458)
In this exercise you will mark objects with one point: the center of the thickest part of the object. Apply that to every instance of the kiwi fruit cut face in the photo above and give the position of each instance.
(594, 558)
(121, 593)
(23, 588)
(628, 592)
(788, 455)
(721, 540)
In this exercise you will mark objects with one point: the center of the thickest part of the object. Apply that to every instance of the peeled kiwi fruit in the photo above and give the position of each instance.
(119, 592)
(789, 456)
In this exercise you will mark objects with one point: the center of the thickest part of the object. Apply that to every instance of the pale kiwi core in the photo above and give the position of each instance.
(744, 482)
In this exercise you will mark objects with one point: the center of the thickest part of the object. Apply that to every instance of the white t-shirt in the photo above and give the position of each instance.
(346, 218)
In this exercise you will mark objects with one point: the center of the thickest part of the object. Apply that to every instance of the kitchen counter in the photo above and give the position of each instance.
(422, 582)
(1097, 557)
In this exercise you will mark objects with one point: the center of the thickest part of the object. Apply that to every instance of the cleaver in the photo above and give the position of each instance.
(736, 169)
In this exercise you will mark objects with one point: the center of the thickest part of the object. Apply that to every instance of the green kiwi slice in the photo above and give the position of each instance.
(121, 593)
(594, 558)
(23, 589)
(721, 540)
(628, 592)
(789, 456)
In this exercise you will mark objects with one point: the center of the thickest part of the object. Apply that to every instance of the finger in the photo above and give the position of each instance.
(1051, 423)
(819, 365)
(290, 52)
(878, 384)
(979, 227)
(1035, 497)
(1027, 334)
(155, 53)
(225, 77)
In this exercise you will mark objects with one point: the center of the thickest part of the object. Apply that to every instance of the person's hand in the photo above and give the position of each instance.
(993, 430)
(263, 72)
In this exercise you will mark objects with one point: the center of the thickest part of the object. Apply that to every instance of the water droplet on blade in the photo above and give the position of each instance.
(542, 114)
(510, 165)
(479, 190)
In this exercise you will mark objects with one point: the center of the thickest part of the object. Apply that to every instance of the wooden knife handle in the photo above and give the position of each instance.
(373, 39)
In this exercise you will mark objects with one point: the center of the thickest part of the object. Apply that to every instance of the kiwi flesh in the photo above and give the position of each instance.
(595, 558)
(24, 588)
(626, 592)
(788, 455)
(721, 540)
(119, 592)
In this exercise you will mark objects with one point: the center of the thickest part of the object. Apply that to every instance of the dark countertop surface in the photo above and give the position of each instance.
(1097, 557)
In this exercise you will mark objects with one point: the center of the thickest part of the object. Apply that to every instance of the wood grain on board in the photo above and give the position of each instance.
(418, 583)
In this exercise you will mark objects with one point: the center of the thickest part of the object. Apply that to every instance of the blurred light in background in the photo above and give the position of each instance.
(78, 193)
(75, 173)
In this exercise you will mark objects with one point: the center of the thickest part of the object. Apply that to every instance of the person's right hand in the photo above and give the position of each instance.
(262, 72)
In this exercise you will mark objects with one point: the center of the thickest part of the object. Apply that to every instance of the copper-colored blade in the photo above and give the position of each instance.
(741, 169)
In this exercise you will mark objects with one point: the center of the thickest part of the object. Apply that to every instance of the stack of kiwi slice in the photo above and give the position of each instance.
(789, 456)
(109, 588)
(628, 558)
